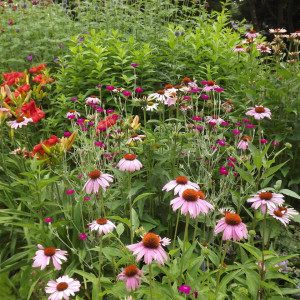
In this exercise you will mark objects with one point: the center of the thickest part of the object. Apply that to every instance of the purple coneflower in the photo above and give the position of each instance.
(96, 180)
(132, 277)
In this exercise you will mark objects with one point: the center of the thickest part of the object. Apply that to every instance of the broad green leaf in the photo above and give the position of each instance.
(253, 250)
(141, 197)
(272, 170)
(289, 193)
(245, 175)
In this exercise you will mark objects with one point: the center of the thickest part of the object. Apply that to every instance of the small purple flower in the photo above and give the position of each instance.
(110, 87)
(91, 124)
(205, 97)
(99, 144)
(230, 164)
(82, 236)
(263, 141)
(245, 121)
(199, 128)
(197, 118)
(48, 220)
(238, 124)
(126, 93)
(250, 126)
(30, 57)
(80, 121)
(218, 89)
(221, 143)
(99, 86)
(187, 98)
(86, 198)
(55, 60)
(184, 289)
(223, 171)
(67, 134)
(134, 65)
(275, 144)
(80, 40)
(139, 90)
(74, 99)
(60, 45)
(236, 131)
(110, 111)
(100, 110)
(225, 124)
(79, 176)
(70, 192)
(10, 22)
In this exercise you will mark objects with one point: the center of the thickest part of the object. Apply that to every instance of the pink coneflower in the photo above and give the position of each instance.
(214, 119)
(243, 144)
(102, 225)
(232, 226)
(129, 163)
(192, 202)
(72, 114)
(263, 49)
(92, 100)
(209, 86)
(43, 257)
(283, 214)
(266, 200)
(180, 184)
(238, 49)
(62, 288)
(20, 122)
(96, 180)
(277, 31)
(135, 138)
(150, 248)
(259, 112)
(295, 34)
(159, 96)
(132, 277)
(252, 34)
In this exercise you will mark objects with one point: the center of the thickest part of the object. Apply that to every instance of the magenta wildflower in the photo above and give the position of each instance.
(126, 93)
(263, 141)
(245, 121)
(139, 90)
(67, 134)
(205, 97)
(74, 99)
(48, 220)
(275, 143)
(110, 87)
(184, 289)
(70, 192)
(83, 236)
(221, 143)
(236, 132)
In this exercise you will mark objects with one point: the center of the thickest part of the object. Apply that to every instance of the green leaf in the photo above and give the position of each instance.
(252, 281)
(289, 193)
(89, 276)
(254, 251)
(141, 197)
(245, 175)
(227, 278)
(120, 229)
(272, 286)
(272, 170)
(135, 220)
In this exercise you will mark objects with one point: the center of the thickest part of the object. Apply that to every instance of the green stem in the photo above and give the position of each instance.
(220, 268)
(195, 231)
(130, 208)
(100, 261)
(150, 281)
(183, 248)
(176, 228)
